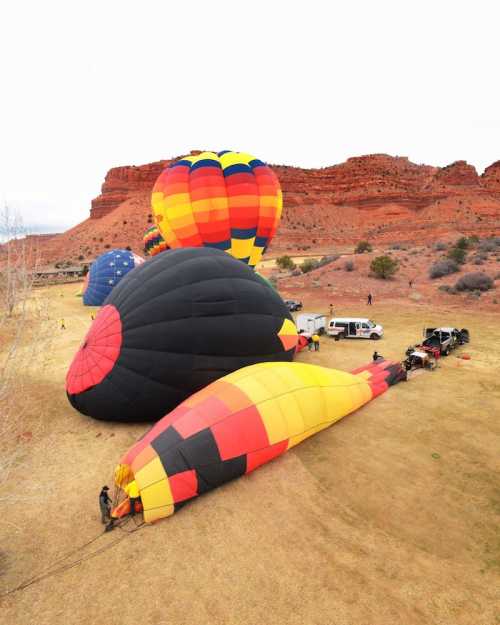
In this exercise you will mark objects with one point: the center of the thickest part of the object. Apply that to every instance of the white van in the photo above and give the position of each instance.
(355, 327)
(312, 323)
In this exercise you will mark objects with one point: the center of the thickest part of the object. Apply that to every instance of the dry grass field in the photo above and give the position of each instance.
(390, 517)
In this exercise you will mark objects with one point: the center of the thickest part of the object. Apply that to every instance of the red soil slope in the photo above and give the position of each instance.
(377, 197)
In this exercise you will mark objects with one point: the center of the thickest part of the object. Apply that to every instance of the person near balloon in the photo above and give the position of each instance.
(315, 341)
(105, 505)
(132, 491)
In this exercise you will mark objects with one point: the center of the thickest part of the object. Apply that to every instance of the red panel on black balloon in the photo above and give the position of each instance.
(98, 353)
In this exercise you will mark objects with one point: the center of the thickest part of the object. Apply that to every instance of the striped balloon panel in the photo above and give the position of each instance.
(153, 242)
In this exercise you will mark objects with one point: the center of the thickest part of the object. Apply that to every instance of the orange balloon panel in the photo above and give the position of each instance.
(228, 200)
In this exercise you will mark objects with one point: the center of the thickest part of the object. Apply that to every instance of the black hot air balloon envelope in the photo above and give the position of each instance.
(173, 325)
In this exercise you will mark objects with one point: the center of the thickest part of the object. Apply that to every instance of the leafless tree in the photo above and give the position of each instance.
(24, 336)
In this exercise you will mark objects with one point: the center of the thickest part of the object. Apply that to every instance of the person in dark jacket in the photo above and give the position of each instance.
(105, 505)
(369, 299)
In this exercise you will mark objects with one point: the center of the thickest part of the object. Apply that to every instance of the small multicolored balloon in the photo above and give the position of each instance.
(154, 243)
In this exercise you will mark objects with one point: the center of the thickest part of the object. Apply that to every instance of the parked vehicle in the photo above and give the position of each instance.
(445, 339)
(313, 323)
(355, 327)
(419, 359)
(293, 305)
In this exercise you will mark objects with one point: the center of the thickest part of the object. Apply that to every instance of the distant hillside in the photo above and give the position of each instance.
(377, 197)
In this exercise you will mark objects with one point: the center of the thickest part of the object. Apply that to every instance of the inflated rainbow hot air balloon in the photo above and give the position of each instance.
(154, 243)
(239, 423)
(228, 200)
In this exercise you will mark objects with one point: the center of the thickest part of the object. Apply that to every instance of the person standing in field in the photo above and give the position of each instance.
(105, 505)
(369, 299)
(315, 340)
(63, 326)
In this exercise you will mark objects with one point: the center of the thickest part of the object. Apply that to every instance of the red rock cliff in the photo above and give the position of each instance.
(377, 197)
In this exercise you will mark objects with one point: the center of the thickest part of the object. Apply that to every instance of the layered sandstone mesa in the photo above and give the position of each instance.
(377, 197)
(491, 178)
(458, 174)
(121, 182)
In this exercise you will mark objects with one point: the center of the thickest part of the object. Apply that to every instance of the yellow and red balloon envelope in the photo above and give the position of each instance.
(228, 200)
(239, 423)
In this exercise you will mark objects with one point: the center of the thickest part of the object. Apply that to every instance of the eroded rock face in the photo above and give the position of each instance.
(378, 197)
(491, 177)
(120, 182)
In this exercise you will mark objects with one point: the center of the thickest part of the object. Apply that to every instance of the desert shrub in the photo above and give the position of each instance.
(363, 246)
(447, 288)
(285, 263)
(384, 267)
(473, 239)
(326, 260)
(474, 282)
(440, 246)
(81, 257)
(396, 246)
(489, 245)
(128, 248)
(309, 265)
(296, 272)
(274, 281)
(107, 246)
(457, 254)
(496, 276)
(349, 265)
(478, 261)
(442, 268)
(462, 243)
(124, 222)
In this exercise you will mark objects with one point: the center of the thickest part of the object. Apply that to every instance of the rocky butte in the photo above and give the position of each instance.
(377, 197)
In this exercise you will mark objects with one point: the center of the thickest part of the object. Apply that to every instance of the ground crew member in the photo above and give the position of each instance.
(315, 340)
(105, 505)
(377, 356)
(132, 491)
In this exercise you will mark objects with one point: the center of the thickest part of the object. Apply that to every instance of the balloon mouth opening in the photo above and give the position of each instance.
(121, 501)
(98, 353)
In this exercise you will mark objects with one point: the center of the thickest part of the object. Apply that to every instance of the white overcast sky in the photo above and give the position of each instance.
(86, 86)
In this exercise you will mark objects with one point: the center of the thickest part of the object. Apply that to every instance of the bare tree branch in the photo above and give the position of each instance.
(24, 335)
